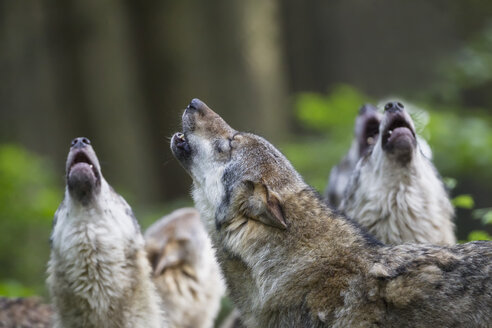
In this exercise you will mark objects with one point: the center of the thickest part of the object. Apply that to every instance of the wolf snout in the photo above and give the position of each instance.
(181, 142)
(80, 142)
(393, 106)
(196, 104)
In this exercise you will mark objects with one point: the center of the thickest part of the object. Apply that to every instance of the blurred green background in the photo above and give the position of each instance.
(296, 72)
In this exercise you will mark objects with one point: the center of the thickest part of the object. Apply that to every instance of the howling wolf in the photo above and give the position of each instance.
(395, 192)
(290, 261)
(99, 275)
(365, 135)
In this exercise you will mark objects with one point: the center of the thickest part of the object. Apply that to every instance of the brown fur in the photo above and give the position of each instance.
(25, 313)
(290, 261)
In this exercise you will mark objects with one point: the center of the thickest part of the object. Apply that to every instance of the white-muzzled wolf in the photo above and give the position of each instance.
(395, 192)
(99, 275)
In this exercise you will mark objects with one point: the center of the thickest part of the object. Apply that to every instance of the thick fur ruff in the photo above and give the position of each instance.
(290, 261)
(400, 203)
(98, 273)
(340, 176)
(185, 270)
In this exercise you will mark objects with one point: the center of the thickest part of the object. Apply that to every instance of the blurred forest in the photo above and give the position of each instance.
(296, 72)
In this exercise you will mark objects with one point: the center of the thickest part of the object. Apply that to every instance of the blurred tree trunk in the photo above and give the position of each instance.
(97, 91)
(310, 45)
(263, 45)
(27, 82)
(227, 53)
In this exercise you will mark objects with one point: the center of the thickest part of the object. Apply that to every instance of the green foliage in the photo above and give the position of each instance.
(471, 66)
(463, 201)
(12, 288)
(479, 235)
(314, 157)
(28, 200)
(332, 118)
(449, 182)
(334, 113)
(483, 214)
(461, 144)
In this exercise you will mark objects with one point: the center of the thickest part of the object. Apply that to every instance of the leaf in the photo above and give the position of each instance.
(463, 201)
(479, 235)
(12, 288)
(449, 182)
(487, 218)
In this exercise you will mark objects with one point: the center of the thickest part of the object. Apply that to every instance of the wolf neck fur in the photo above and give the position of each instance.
(272, 265)
(92, 246)
(387, 198)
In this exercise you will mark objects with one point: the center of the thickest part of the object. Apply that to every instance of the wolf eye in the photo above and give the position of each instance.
(222, 146)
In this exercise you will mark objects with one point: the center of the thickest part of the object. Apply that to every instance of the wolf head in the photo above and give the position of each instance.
(366, 128)
(233, 172)
(395, 190)
(83, 172)
(366, 132)
(86, 188)
(178, 240)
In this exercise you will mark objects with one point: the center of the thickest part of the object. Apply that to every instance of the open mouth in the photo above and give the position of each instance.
(398, 126)
(81, 161)
(180, 143)
(369, 134)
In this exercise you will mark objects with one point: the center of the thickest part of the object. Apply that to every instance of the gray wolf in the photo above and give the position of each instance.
(366, 132)
(291, 261)
(184, 269)
(98, 272)
(395, 191)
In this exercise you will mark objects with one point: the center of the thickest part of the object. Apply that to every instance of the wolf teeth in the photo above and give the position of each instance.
(370, 140)
(91, 166)
(390, 132)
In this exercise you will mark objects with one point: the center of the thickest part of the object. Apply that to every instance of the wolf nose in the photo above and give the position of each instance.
(195, 104)
(80, 142)
(394, 106)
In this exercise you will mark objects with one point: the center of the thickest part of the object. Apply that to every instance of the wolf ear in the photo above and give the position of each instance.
(161, 259)
(263, 206)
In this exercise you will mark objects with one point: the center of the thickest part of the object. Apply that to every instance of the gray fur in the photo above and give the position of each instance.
(320, 269)
(399, 201)
(99, 275)
(366, 132)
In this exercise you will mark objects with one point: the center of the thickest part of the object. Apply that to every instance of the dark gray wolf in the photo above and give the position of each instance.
(290, 261)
